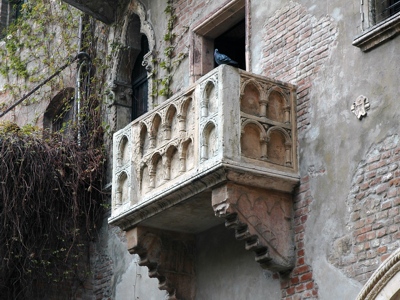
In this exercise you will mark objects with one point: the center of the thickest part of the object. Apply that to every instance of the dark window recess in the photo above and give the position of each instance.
(63, 116)
(232, 43)
(140, 82)
(384, 9)
(10, 10)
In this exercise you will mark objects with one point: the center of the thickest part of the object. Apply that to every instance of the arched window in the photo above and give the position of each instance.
(140, 81)
(59, 113)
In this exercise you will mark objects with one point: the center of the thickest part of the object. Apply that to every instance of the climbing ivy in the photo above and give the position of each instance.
(37, 44)
(170, 59)
(50, 182)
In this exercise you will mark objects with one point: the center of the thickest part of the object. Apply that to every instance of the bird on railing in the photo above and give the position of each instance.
(222, 59)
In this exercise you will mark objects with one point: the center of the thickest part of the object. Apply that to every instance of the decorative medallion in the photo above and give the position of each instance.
(360, 107)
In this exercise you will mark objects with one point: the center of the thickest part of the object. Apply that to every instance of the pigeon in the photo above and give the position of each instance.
(222, 59)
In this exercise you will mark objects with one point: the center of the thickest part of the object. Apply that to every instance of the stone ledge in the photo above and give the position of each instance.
(378, 34)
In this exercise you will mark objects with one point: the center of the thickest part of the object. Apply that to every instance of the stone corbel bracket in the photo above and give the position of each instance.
(169, 256)
(262, 218)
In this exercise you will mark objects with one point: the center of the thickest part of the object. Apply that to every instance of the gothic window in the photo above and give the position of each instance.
(140, 82)
(9, 11)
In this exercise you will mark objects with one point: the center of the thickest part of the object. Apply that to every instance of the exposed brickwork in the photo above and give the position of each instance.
(187, 12)
(102, 264)
(299, 284)
(296, 45)
(374, 203)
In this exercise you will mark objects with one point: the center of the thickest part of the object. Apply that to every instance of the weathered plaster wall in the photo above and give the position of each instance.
(116, 273)
(225, 270)
(335, 144)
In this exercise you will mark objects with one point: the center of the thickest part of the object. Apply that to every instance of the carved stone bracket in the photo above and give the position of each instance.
(262, 218)
(169, 256)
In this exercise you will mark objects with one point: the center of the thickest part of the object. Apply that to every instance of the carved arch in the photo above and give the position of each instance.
(123, 151)
(209, 97)
(156, 170)
(155, 134)
(144, 139)
(384, 281)
(122, 189)
(145, 183)
(170, 121)
(171, 166)
(253, 140)
(184, 111)
(186, 155)
(278, 108)
(279, 146)
(209, 141)
(251, 101)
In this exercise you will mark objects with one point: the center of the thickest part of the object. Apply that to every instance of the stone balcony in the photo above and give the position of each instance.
(224, 150)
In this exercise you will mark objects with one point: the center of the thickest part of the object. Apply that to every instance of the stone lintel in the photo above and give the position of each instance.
(260, 217)
(169, 256)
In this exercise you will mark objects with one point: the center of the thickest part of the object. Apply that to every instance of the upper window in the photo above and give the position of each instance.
(224, 30)
(383, 9)
(9, 11)
(380, 22)
(140, 82)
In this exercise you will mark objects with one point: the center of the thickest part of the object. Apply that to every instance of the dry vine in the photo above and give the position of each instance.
(49, 201)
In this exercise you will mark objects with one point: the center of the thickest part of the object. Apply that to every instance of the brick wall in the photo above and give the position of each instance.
(300, 284)
(374, 219)
(296, 45)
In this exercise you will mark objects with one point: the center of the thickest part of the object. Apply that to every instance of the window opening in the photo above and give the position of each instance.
(225, 30)
(63, 116)
(383, 9)
(232, 43)
(140, 82)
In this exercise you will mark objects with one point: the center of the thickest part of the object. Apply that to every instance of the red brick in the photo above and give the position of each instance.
(301, 269)
(310, 285)
(300, 288)
(290, 291)
(294, 280)
(306, 277)
(382, 249)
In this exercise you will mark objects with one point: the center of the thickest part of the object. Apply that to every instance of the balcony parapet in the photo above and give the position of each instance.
(230, 125)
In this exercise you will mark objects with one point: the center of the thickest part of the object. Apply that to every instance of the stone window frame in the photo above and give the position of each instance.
(372, 34)
(206, 30)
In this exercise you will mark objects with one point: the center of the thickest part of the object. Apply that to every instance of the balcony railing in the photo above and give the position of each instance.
(230, 125)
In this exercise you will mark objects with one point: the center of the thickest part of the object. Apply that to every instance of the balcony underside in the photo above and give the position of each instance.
(187, 207)
(102, 10)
